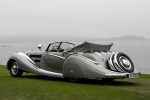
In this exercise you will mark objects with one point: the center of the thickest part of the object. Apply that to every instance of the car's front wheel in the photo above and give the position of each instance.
(14, 70)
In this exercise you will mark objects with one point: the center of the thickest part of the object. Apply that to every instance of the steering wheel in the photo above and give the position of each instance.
(55, 48)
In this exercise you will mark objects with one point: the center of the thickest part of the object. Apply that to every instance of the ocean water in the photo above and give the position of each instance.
(138, 51)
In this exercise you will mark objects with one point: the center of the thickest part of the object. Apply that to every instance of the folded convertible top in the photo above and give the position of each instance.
(92, 47)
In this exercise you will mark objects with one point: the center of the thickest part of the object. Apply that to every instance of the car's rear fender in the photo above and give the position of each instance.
(78, 66)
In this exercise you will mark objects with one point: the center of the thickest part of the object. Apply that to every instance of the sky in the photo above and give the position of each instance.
(39, 20)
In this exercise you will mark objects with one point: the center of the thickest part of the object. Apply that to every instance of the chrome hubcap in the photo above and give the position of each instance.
(125, 62)
(120, 62)
(15, 68)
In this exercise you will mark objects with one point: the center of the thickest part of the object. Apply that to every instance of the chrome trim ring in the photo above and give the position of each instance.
(116, 64)
(125, 62)
(110, 63)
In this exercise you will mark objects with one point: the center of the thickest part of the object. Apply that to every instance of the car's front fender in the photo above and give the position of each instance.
(26, 64)
(22, 60)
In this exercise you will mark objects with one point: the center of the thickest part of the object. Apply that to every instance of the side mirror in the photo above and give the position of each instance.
(40, 46)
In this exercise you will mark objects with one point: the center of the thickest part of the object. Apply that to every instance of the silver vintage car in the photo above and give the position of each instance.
(67, 60)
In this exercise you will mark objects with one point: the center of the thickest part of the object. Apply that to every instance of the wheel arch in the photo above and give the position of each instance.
(10, 62)
(71, 69)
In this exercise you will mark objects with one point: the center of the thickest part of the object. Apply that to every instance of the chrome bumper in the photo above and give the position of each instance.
(123, 75)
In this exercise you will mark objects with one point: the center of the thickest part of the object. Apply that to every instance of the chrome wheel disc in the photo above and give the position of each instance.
(14, 69)
(125, 62)
(120, 62)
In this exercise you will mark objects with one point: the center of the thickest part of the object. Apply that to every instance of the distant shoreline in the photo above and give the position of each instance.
(73, 39)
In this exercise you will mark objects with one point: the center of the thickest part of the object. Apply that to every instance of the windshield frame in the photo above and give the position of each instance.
(60, 43)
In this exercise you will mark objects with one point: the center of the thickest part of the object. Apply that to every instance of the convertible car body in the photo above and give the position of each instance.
(67, 60)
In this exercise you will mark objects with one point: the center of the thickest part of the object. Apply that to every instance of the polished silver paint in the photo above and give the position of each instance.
(65, 62)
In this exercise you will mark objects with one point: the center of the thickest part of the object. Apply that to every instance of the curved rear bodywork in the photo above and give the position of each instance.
(87, 61)
(94, 66)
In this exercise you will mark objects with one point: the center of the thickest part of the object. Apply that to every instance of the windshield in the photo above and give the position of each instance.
(66, 45)
(60, 46)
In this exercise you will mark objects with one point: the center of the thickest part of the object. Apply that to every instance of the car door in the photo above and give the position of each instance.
(54, 61)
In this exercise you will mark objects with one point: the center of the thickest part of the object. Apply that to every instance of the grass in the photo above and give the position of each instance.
(35, 87)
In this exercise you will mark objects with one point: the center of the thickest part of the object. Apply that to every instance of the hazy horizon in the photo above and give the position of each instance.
(43, 20)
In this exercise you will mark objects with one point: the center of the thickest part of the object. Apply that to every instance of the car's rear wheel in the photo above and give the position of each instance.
(14, 70)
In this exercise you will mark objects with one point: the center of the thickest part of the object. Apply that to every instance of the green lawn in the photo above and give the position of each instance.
(35, 87)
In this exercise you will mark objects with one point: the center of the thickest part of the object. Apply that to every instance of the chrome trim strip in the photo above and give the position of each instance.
(90, 60)
(116, 74)
(98, 54)
(57, 56)
(109, 52)
(104, 53)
